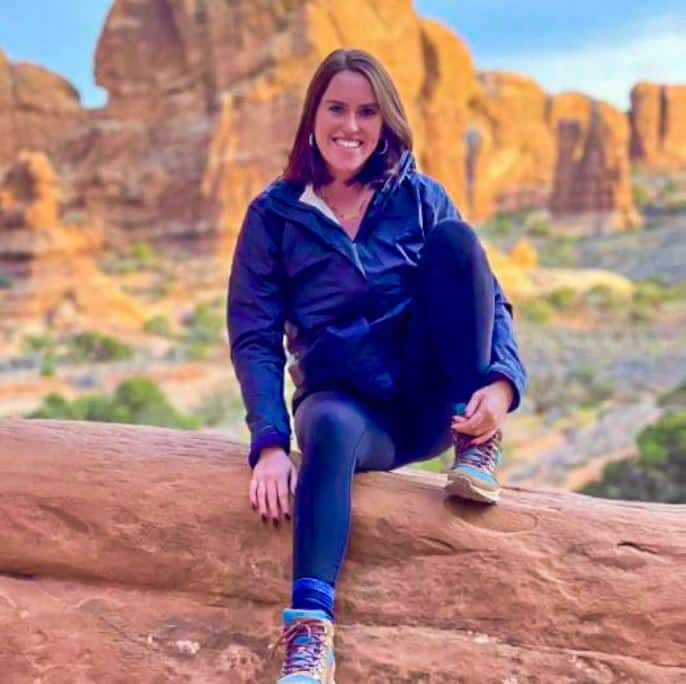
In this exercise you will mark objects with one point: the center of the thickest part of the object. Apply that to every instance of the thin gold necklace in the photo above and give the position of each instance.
(348, 215)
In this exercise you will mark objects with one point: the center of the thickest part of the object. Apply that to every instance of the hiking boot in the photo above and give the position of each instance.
(308, 636)
(473, 473)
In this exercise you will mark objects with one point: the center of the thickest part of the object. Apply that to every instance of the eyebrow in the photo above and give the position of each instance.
(368, 104)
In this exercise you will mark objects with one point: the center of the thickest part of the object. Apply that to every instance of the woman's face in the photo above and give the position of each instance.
(348, 123)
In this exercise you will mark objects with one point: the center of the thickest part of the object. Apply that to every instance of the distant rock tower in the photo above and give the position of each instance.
(591, 180)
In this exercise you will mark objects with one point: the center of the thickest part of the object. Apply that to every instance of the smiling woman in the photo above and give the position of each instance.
(400, 337)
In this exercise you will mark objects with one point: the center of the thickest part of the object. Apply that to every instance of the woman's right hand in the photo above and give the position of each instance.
(273, 481)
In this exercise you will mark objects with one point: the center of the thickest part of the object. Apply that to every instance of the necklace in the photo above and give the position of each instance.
(348, 215)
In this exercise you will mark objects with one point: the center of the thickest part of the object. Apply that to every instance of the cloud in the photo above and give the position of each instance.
(607, 70)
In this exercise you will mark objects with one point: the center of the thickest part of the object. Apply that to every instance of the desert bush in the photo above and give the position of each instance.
(605, 298)
(95, 347)
(586, 388)
(640, 195)
(563, 299)
(137, 400)
(500, 225)
(659, 473)
(138, 257)
(674, 399)
(203, 326)
(536, 310)
(158, 325)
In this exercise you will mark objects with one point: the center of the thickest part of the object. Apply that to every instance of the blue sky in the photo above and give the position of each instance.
(601, 47)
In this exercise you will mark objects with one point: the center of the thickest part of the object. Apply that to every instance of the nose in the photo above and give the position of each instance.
(351, 124)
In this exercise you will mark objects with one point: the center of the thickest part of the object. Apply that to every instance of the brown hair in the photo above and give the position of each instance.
(305, 162)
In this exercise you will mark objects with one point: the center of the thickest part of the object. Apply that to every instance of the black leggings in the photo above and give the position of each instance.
(446, 353)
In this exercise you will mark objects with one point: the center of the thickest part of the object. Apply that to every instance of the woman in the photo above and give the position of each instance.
(400, 338)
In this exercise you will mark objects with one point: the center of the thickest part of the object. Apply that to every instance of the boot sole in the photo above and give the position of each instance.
(464, 488)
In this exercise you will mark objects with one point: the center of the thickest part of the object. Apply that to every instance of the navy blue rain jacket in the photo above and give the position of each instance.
(342, 303)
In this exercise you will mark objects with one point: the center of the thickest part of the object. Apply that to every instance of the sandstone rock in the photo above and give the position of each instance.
(512, 147)
(177, 580)
(658, 131)
(51, 264)
(37, 108)
(592, 181)
(206, 97)
(28, 194)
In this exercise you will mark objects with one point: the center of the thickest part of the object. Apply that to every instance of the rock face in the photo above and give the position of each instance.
(511, 145)
(592, 170)
(205, 97)
(658, 125)
(49, 263)
(37, 108)
(179, 581)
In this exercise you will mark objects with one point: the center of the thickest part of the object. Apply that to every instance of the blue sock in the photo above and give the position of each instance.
(459, 408)
(310, 593)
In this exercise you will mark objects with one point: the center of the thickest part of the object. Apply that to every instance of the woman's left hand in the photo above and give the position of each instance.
(485, 411)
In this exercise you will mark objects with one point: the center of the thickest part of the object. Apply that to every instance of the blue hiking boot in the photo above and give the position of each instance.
(309, 659)
(473, 473)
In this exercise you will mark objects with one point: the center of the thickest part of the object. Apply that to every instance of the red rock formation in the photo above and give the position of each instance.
(37, 108)
(592, 170)
(205, 98)
(48, 262)
(658, 125)
(512, 147)
(179, 581)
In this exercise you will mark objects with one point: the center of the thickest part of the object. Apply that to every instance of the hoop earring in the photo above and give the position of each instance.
(311, 139)
(385, 148)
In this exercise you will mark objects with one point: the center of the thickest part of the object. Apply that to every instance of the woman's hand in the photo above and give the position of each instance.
(485, 411)
(273, 481)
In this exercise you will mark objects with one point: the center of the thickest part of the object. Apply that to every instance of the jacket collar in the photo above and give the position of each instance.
(283, 198)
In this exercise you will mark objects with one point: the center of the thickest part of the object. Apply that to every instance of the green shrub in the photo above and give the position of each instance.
(47, 366)
(674, 399)
(537, 226)
(39, 344)
(641, 195)
(587, 389)
(563, 299)
(605, 298)
(203, 326)
(536, 310)
(142, 252)
(158, 325)
(137, 400)
(659, 473)
(500, 225)
(95, 347)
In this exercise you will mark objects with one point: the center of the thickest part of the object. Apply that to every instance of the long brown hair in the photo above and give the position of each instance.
(305, 162)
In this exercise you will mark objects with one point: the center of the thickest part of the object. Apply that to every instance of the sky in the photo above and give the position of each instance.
(599, 47)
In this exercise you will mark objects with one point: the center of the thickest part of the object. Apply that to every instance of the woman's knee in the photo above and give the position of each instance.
(455, 237)
(330, 423)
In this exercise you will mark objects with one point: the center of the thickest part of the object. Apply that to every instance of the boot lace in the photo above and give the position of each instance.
(305, 641)
(483, 456)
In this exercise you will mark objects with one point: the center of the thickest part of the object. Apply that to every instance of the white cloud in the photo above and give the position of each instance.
(655, 51)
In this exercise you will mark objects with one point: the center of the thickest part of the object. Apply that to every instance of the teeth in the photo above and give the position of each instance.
(348, 143)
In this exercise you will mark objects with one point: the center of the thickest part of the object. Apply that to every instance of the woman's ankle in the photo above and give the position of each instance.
(310, 593)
